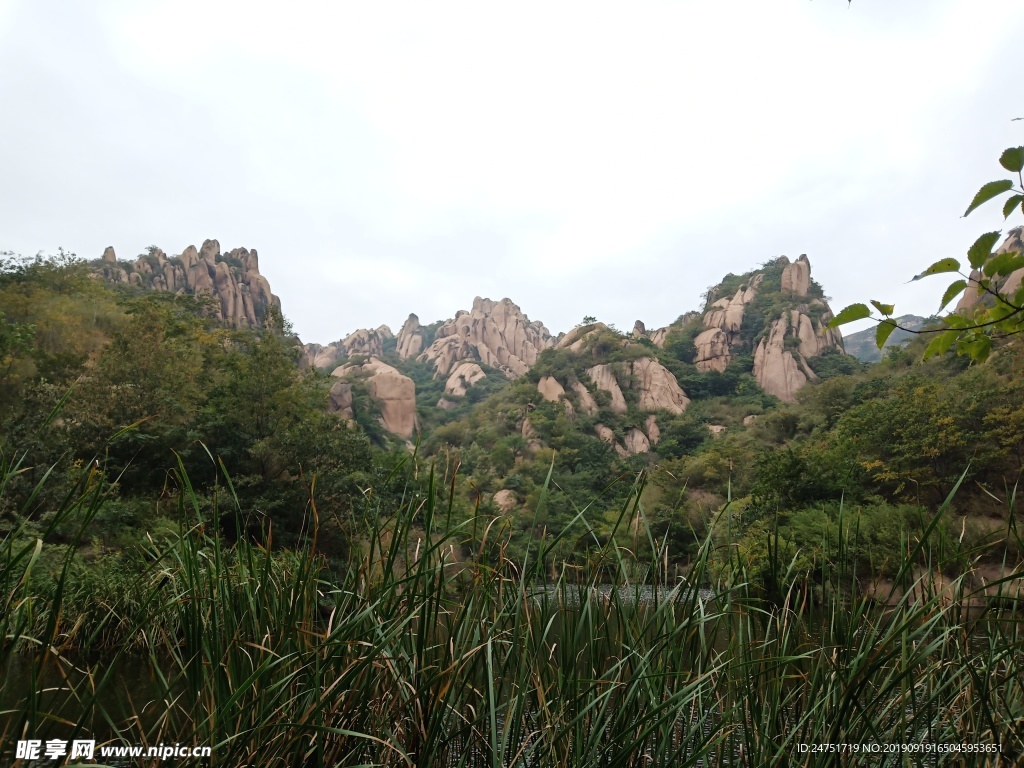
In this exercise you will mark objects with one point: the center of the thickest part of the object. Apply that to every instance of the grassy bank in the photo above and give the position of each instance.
(432, 647)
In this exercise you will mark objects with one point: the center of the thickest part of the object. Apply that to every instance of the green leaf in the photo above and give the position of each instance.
(978, 253)
(977, 349)
(941, 343)
(954, 290)
(940, 266)
(1012, 159)
(1003, 263)
(849, 314)
(885, 328)
(1012, 202)
(885, 309)
(989, 191)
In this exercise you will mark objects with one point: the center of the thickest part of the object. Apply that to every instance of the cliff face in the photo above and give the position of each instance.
(495, 333)
(243, 296)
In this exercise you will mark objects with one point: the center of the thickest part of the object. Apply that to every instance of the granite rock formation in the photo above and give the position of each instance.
(495, 333)
(242, 296)
(394, 393)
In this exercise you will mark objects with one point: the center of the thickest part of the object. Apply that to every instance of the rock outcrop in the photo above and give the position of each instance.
(586, 400)
(577, 337)
(495, 333)
(637, 442)
(363, 341)
(242, 295)
(505, 500)
(550, 389)
(462, 378)
(410, 338)
(777, 369)
(781, 354)
(796, 277)
(604, 380)
(975, 295)
(340, 399)
(394, 393)
(657, 387)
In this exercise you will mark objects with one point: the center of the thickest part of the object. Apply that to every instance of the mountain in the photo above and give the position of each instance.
(242, 296)
(764, 330)
(862, 343)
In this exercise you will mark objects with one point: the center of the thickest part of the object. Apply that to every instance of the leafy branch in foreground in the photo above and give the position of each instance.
(993, 303)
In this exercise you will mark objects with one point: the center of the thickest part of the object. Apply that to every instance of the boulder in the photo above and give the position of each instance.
(462, 378)
(716, 429)
(550, 389)
(637, 442)
(586, 400)
(108, 255)
(505, 500)
(604, 380)
(394, 393)
(712, 350)
(340, 399)
(652, 430)
(657, 387)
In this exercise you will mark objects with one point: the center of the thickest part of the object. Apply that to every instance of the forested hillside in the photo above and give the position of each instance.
(749, 406)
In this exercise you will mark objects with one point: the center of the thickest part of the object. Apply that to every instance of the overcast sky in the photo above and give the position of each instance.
(608, 159)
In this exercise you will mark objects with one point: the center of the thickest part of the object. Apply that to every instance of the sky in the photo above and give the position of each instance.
(580, 158)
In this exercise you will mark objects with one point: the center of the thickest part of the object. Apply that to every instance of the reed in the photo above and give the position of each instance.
(433, 648)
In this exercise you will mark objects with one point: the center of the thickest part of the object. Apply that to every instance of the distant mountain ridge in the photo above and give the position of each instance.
(862, 343)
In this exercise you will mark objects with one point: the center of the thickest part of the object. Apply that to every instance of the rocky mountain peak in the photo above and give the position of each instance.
(243, 295)
(495, 333)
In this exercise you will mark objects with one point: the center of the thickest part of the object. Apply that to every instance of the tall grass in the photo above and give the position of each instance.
(423, 652)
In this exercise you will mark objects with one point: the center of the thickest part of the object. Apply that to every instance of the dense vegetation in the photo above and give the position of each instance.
(313, 583)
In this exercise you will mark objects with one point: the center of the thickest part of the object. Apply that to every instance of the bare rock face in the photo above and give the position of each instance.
(639, 330)
(658, 388)
(575, 338)
(604, 379)
(410, 338)
(243, 295)
(363, 342)
(727, 313)
(495, 333)
(606, 435)
(319, 356)
(637, 442)
(775, 368)
(796, 277)
(975, 295)
(652, 430)
(586, 400)
(505, 500)
(713, 352)
(394, 393)
(550, 389)
(340, 399)
(716, 430)
(462, 378)
(657, 337)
